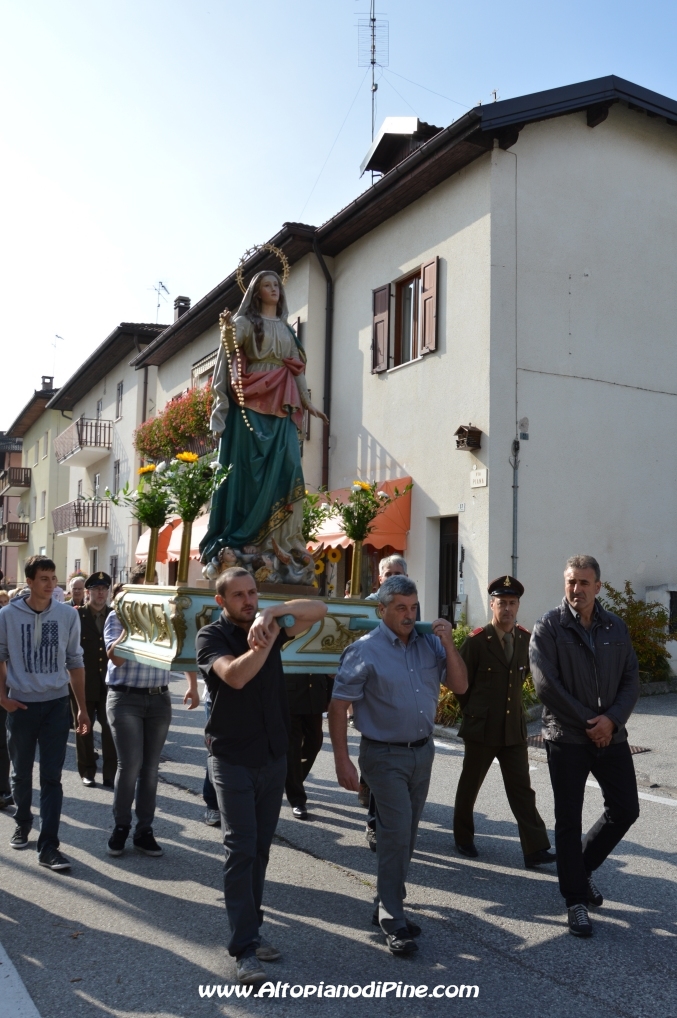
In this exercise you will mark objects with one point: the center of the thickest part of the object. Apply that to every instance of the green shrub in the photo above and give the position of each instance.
(647, 623)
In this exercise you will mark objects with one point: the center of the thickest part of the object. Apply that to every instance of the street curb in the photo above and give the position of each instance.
(15, 1000)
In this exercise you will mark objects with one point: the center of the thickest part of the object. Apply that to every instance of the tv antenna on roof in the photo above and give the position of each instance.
(56, 336)
(159, 287)
(372, 47)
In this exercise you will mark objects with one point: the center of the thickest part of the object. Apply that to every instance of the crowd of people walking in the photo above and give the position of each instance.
(59, 668)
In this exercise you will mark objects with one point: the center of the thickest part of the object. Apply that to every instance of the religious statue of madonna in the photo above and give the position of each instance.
(260, 393)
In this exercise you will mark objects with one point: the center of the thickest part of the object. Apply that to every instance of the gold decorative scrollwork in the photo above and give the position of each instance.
(204, 616)
(164, 637)
(332, 637)
(130, 622)
(178, 619)
(142, 614)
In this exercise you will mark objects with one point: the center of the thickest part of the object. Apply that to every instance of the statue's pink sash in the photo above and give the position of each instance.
(274, 392)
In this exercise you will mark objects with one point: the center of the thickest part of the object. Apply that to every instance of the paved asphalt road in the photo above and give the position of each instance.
(137, 937)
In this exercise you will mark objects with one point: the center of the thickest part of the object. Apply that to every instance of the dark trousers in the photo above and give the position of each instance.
(399, 778)
(208, 793)
(305, 742)
(570, 764)
(139, 723)
(4, 753)
(514, 763)
(249, 800)
(84, 744)
(46, 725)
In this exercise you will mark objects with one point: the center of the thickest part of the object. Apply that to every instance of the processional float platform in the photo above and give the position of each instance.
(161, 623)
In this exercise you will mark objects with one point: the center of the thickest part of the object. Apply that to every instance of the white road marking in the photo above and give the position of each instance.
(642, 795)
(15, 1000)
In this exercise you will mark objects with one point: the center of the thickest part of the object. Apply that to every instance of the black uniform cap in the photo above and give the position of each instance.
(98, 580)
(505, 585)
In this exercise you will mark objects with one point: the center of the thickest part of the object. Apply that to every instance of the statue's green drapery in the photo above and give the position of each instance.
(265, 482)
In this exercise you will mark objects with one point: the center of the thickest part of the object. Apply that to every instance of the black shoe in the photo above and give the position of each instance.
(468, 849)
(300, 812)
(108, 784)
(53, 859)
(89, 782)
(116, 842)
(147, 844)
(370, 835)
(540, 858)
(401, 942)
(579, 921)
(20, 837)
(595, 896)
(6, 800)
(413, 929)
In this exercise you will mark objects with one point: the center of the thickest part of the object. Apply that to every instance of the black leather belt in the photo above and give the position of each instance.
(407, 745)
(152, 691)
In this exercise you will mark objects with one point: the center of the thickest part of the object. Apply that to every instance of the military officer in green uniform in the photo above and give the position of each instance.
(92, 620)
(494, 724)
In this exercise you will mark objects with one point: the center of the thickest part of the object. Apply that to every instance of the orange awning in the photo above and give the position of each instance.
(389, 528)
(164, 537)
(199, 530)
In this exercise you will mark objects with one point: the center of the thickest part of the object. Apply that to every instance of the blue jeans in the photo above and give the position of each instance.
(45, 724)
(139, 723)
(249, 799)
(208, 793)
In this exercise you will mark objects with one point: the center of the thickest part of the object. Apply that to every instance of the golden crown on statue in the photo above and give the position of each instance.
(262, 247)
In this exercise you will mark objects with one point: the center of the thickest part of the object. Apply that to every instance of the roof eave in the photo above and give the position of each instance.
(109, 353)
(25, 419)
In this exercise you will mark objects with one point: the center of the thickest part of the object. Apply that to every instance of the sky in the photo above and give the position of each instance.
(143, 140)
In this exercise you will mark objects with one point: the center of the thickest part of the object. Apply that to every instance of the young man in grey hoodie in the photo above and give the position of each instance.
(39, 650)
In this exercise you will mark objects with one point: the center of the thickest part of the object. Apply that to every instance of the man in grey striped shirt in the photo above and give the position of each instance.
(139, 712)
(392, 677)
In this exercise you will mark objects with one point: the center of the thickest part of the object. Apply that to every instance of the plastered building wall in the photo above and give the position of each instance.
(402, 422)
(596, 259)
(123, 533)
(48, 477)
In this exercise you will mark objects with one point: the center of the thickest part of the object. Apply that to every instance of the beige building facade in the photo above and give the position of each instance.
(105, 401)
(39, 485)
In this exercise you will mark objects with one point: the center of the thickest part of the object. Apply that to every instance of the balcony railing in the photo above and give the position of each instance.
(84, 442)
(14, 481)
(83, 515)
(13, 533)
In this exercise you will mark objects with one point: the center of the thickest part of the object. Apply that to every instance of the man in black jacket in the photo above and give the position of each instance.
(586, 674)
(247, 735)
(309, 697)
(92, 621)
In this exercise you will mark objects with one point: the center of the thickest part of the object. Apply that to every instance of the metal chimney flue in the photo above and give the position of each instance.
(181, 305)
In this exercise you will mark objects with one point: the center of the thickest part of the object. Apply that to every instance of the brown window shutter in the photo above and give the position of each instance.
(429, 306)
(381, 329)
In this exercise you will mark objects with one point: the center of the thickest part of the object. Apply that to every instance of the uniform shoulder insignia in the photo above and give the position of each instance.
(476, 632)
(528, 631)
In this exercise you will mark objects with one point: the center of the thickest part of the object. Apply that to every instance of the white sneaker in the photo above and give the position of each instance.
(266, 952)
(250, 970)
(213, 817)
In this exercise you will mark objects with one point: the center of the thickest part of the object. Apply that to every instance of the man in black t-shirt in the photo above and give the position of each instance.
(239, 658)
